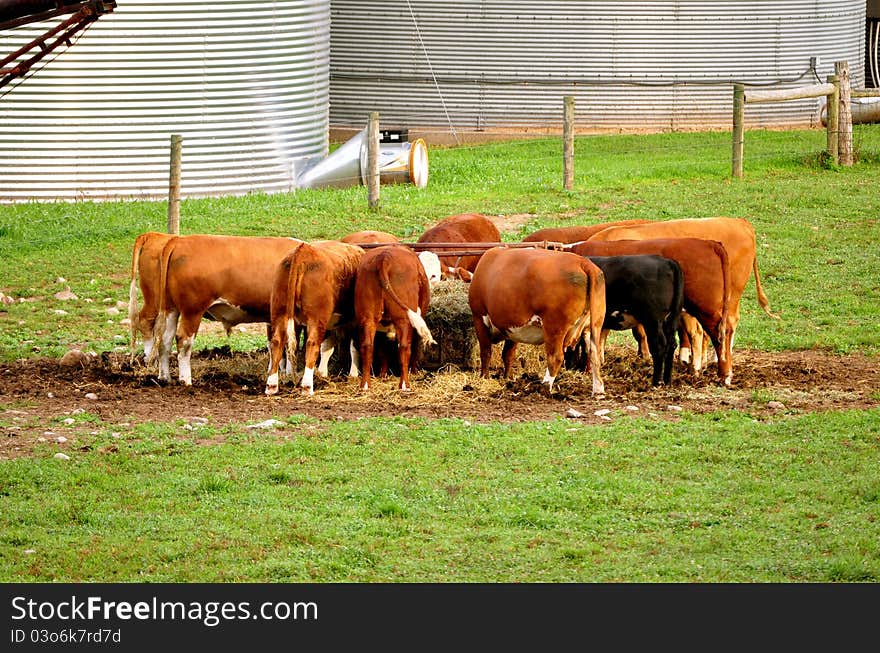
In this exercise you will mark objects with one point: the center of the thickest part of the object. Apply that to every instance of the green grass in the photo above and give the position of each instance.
(710, 498)
(390, 500)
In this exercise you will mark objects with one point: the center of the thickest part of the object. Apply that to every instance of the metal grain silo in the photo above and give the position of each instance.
(666, 65)
(246, 85)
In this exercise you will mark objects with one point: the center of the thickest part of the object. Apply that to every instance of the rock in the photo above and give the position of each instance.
(75, 357)
(199, 421)
(571, 412)
(602, 412)
(60, 280)
(60, 439)
(776, 405)
(6, 299)
(674, 409)
(61, 456)
(112, 311)
(632, 409)
(65, 295)
(91, 396)
(69, 420)
(268, 424)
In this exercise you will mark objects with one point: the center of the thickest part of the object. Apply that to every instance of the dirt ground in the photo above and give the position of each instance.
(38, 395)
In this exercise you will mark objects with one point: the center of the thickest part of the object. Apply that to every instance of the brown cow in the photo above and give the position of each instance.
(707, 273)
(145, 256)
(537, 296)
(736, 234)
(391, 291)
(575, 234)
(228, 278)
(369, 236)
(313, 286)
(463, 228)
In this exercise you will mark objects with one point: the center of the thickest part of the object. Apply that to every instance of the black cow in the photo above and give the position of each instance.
(642, 289)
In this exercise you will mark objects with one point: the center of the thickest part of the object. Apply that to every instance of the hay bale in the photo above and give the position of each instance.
(451, 322)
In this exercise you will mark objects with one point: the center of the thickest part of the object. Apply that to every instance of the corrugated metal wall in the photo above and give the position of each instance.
(246, 84)
(485, 64)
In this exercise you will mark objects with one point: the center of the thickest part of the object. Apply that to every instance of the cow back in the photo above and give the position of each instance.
(369, 237)
(511, 285)
(462, 228)
(736, 234)
(199, 269)
(574, 234)
(315, 277)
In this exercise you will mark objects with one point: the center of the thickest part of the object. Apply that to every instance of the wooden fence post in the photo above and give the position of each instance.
(373, 161)
(568, 142)
(738, 134)
(832, 119)
(174, 186)
(844, 114)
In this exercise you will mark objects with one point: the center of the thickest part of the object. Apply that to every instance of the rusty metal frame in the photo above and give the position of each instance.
(86, 13)
(471, 249)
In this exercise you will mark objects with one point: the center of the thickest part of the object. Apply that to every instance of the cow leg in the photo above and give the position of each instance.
(145, 326)
(404, 351)
(691, 332)
(285, 365)
(328, 346)
(642, 340)
(314, 338)
(279, 341)
(485, 341)
(602, 345)
(355, 367)
(657, 347)
(684, 354)
(368, 337)
(508, 351)
(669, 327)
(553, 352)
(187, 328)
(165, 344)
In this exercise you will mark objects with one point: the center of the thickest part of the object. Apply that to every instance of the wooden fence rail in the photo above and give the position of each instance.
(837, 114)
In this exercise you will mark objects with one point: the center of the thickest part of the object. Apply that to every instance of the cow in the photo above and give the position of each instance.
(313, 285)
(369, 236)
(575, 234)
(462, 228)
(145, 256)
(537, 296)
(736, 234)
(391, 291)
(226, 278)
(644, 289)
(707, 273)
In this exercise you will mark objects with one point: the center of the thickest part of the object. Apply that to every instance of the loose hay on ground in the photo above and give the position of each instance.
(451, 322)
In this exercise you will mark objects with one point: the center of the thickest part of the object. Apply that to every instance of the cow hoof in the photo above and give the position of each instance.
(271, 390)
(307, 392)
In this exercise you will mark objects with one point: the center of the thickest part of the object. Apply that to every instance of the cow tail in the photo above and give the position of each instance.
(723, 336)
(161, 317)
(294, 292)
(415, 317)
(596, 302)
(133, 292)
(762, 298)
(678, 298)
